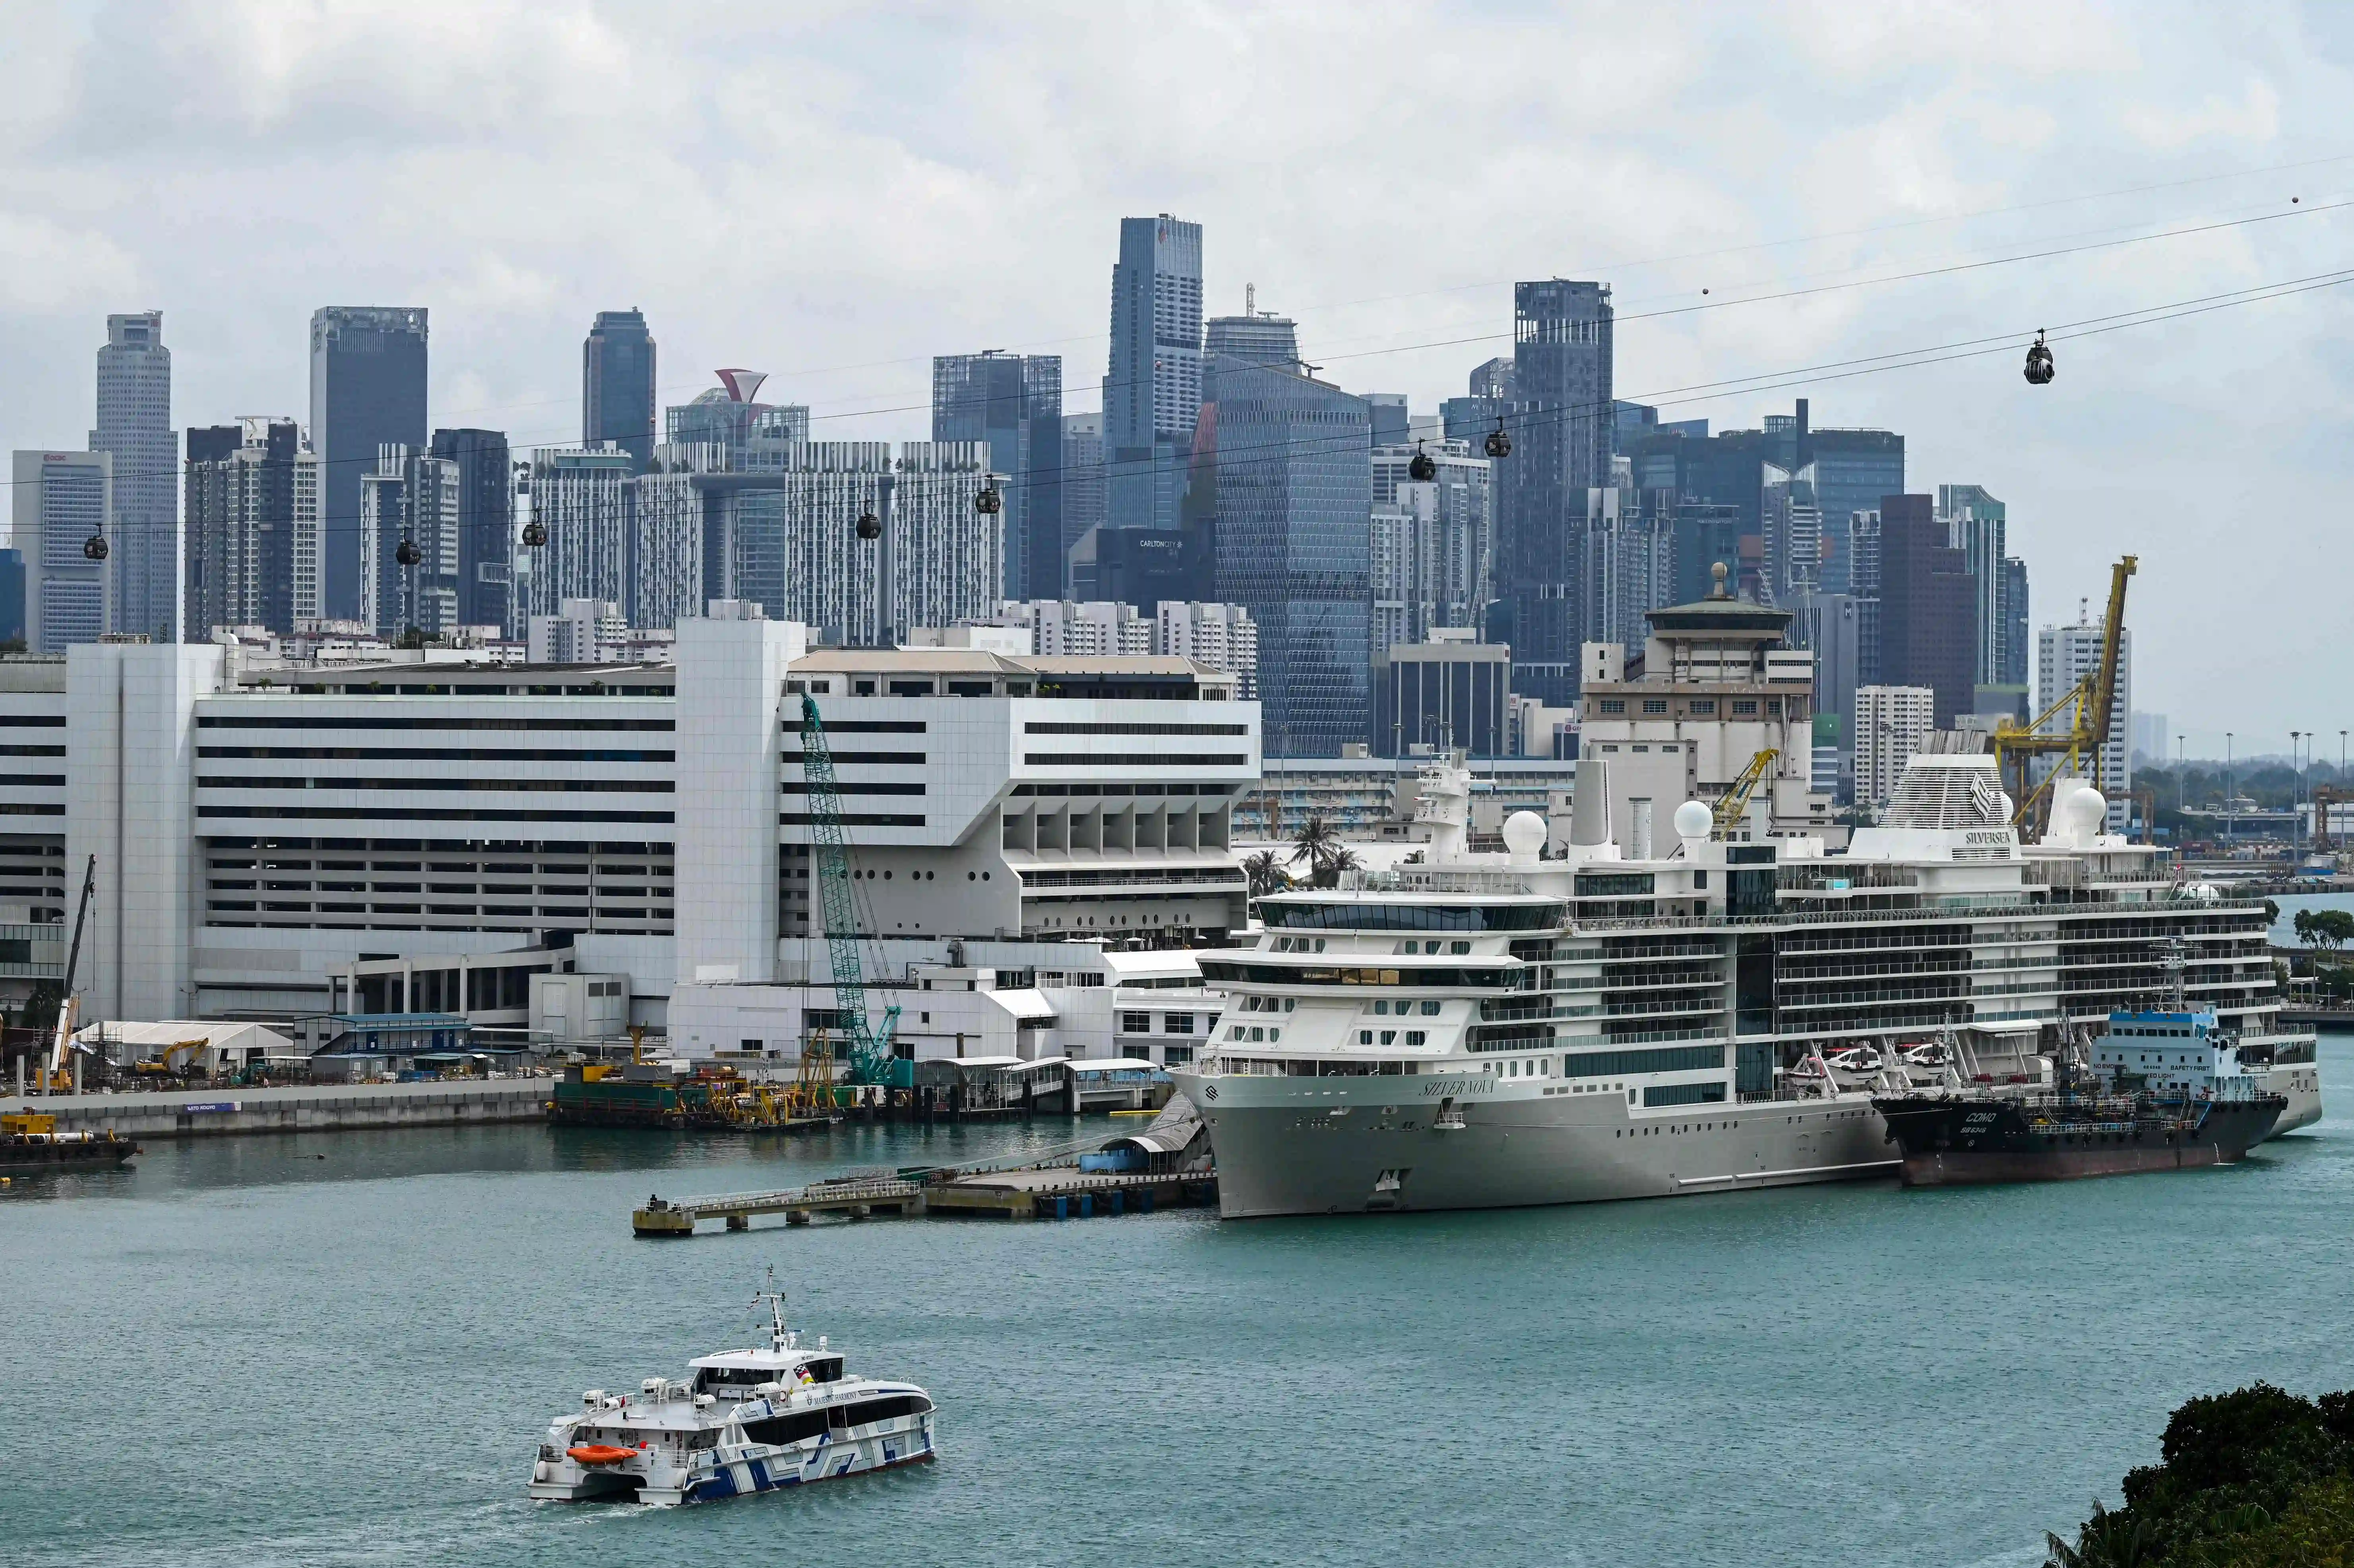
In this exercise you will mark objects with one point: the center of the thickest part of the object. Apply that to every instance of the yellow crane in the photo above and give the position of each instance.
(1728, 810)
(2088, 706)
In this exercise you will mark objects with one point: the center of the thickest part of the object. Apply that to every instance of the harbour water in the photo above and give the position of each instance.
(242, 1354)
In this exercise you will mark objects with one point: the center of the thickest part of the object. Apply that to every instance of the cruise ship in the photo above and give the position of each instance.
(1568, 1024)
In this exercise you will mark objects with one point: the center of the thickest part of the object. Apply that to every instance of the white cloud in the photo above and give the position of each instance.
(835, 193)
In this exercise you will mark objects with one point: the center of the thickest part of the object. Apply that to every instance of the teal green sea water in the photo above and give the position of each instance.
(244, 1355)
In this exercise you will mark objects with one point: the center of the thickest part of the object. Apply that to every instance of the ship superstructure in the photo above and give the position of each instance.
(1481, 1030)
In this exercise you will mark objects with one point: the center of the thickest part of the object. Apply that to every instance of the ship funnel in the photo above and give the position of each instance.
(1589, 803)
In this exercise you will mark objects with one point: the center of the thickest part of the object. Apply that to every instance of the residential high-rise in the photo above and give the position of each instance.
(1892, 723)
(1863, 586)
(63, 500)
(1152, 387)
(582, 497)
(367, 391)
(1013, 403)
(2066, 655)
(252, 527)
(745, 435)
(1294, 546)
(134, 426)
(1431, 539)
(412, 498)
(1928, 620)
(680, 547)
(1625, 569)
(1791, 533)
(1221, 636)
(1561, 449)
(486, 524)
(616, 383)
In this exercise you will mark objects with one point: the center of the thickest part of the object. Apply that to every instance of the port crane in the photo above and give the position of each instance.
(58, 1076)
(2088, 706)
(1728, 811)
(871, 1057)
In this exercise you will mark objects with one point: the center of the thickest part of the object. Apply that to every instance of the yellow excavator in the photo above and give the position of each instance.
(2088, 706)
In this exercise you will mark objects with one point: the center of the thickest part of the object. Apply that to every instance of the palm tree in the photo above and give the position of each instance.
(1315, 843)
(1342, 859)
(2106, 1541)
(1265, 873)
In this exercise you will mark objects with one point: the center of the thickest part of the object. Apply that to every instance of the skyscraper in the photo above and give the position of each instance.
(1152, 387)
(1256, 336)
(581, 496)
(412, 496)
(62, 501)
(1013, 403)
(1083, 478)
(1975, 522)
(486, 528)
(1561, 449)
(367, 390)
(134, 426)
(616, 383)
(1928, 612)
(252, 530)
(1294, 546)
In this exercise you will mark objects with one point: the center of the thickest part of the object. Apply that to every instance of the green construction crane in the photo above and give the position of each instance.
(871, 1060)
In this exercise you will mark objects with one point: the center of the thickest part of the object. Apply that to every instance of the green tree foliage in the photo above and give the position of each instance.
(2255, 1478)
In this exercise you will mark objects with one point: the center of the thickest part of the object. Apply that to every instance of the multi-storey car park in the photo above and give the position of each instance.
(293, 842)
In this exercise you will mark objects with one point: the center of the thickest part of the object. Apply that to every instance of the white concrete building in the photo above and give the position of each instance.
(63, 500)
(581, 631)
(281, 842)
(1092, 629)
(1891, 725)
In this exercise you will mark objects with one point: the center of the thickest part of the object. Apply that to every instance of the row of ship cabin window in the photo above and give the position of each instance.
(1316, 944)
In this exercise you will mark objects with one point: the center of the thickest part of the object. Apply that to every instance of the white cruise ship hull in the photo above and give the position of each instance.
(1375, 1144)
(2300, 1083)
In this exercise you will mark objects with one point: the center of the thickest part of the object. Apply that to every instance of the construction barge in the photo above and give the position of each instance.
(1165, 1165)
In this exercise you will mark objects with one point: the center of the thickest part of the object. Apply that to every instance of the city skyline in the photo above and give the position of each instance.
(2116, 456)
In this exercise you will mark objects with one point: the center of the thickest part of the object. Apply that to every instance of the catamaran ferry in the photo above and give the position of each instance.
(745, 1421)
(1491, 1030)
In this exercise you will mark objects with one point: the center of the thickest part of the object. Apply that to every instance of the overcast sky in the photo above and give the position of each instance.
(834, 195)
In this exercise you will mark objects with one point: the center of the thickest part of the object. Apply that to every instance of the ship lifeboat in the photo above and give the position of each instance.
(600, 1454)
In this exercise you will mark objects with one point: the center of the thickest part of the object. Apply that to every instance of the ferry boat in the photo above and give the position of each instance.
(1494, 1030)
(742, 1421)
(2162, 1092)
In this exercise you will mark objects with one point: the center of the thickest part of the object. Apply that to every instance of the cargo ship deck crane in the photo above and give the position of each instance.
(2088, 704)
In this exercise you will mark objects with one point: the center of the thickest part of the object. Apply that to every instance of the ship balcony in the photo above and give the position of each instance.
(1680, 1005)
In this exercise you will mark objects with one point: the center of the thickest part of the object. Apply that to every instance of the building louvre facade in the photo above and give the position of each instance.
(1013, 403)
(61, 499)
(411, 497)
(134, 427)
(616, 383)
(1152, 387)
(253, 527)
(1294, 546)
(581, 496)
(1561, 436)
(367, 391)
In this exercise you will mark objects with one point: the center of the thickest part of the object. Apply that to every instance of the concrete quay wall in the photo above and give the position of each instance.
(325, 1108)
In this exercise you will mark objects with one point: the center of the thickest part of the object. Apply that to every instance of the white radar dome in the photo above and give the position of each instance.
(1693, 820)
(2089, 809)
(1524, 834)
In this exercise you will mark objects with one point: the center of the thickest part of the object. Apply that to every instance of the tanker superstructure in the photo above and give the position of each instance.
(1481, 1030)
